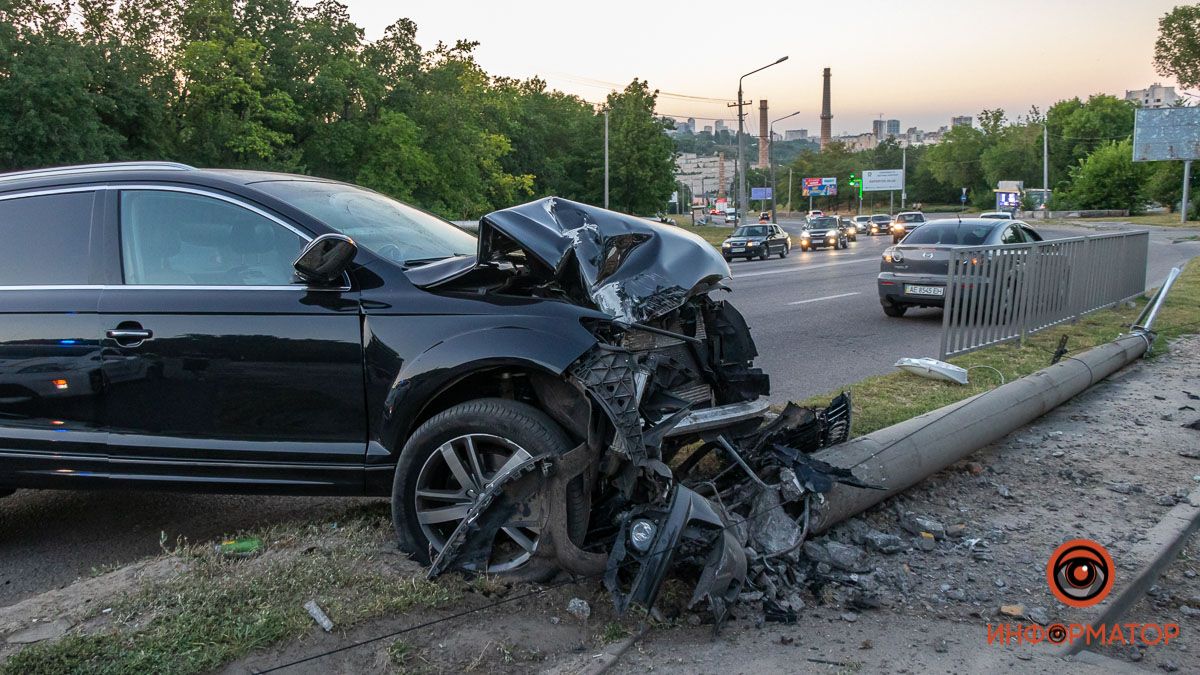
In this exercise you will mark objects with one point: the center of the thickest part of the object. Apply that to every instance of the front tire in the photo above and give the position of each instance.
(784, 252)
(449, 459)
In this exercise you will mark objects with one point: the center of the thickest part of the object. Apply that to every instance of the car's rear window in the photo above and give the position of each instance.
(949, 234)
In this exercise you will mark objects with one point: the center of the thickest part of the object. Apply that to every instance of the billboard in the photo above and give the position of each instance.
(819, 187)
(760, 193)
(883, 180)
(1166, 133)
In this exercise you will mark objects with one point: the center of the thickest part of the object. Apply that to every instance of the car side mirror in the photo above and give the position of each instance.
(326, 258)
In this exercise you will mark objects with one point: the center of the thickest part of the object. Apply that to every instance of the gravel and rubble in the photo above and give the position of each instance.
(970, 544)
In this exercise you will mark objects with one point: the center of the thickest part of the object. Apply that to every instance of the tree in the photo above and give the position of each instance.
(1177, 49)
(956, 162)
(641, 155)
(1109, 179)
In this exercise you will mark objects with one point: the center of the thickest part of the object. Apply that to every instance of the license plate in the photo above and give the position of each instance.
(739, 250)
(924, 290)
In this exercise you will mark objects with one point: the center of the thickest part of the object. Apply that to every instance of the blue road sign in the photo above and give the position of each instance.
(760, 193)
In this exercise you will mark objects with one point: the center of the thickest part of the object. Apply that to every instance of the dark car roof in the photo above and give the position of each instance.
(991, 225)
(136, 171)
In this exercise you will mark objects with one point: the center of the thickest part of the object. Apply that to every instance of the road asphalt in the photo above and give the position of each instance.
(815, 317)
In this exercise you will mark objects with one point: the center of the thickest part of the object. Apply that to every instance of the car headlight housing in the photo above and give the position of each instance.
(805, 234)
(726, 244)
(893, 255)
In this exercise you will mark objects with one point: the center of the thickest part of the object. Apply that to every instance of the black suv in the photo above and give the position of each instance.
(164, 327)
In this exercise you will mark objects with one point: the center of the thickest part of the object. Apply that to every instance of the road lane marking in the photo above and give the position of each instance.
(802, 267)
(828, 297)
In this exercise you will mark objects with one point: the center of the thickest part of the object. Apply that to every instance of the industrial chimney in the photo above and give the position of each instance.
(826, 114)
(764, 143)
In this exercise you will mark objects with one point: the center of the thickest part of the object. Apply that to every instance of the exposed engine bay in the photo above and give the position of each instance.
(680, 467)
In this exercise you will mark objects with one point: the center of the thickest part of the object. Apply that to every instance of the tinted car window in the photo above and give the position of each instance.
(387, 227)
(1012, 235)
(178, 238)
(45, 239)
(824, 222)
(949, 234)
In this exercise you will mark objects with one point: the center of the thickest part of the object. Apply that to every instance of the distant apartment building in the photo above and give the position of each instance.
(878, 129)
(795, 135)
(708, 129)
(702, 173)
(720, 126)
(893, 128)
(1154, 96)
(856, 142)
(962, 121)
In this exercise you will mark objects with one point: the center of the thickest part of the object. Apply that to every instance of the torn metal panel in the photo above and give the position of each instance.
(629, 268)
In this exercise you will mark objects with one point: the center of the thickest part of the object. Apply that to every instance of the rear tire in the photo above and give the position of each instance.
(894, 310)
(513, 425)
(784, 253)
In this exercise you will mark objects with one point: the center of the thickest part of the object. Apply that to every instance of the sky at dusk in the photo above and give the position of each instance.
(919, 61)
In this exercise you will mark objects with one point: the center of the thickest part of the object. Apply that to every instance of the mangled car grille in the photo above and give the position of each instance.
(724, 499)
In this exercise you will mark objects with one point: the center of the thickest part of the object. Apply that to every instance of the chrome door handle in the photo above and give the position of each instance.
(129, 337)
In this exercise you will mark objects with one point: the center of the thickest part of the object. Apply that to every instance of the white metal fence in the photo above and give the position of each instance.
(1000, 293)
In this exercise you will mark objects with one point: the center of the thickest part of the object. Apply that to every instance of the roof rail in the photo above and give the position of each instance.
(95, 168)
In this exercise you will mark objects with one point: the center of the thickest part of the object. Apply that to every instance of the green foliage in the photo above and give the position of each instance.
(280, 85)
(1109, 179)
(1177, 49)
(641, 156)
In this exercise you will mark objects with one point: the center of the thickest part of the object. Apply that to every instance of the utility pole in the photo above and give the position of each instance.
(1045, 171)
(903, 176)
(606, 159)
(789, 189)
(771, 161)
(742, 164)
(1187, 188)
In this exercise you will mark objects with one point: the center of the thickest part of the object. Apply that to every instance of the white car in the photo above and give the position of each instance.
(997, 215)
(731, 216)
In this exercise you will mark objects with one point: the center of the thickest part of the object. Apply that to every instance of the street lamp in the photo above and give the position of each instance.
(771, 158)
(742, 167)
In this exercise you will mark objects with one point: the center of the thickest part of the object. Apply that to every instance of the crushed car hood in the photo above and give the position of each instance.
(630, 268)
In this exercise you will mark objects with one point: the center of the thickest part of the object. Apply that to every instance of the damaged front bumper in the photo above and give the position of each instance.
(680, 466)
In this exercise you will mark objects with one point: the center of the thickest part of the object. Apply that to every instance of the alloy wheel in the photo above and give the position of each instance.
(451, 481)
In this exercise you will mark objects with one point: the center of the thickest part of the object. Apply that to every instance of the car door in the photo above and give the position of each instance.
(225, 372)
(50, 364)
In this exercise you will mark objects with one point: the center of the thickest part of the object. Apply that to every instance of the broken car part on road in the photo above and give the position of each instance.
(676, 465)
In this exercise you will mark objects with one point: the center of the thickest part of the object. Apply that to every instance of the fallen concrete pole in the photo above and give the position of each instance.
(902, 455)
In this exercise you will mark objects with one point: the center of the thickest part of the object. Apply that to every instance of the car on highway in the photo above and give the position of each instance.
(815, 213)
(764, 217)
(904, 223)
(997, 215)
(850, 227)
(731, 216)
(862, 224)
(164, 327)
(824, 232)
(757, 241)
(880, 223)
(913, 273)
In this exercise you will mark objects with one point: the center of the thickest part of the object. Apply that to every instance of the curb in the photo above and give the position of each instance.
(1160, 548)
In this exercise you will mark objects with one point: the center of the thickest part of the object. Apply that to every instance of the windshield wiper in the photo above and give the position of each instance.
(417, 262)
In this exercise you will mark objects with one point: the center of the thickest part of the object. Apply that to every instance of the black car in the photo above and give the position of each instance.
(824, 231)
(164, 327)
(880, 223)
(757, 241)
(913, 273)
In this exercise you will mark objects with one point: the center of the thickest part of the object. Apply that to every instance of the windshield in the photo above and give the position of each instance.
(861, 219)
(380, 224)
(881, 219)
(996, 216)
(950, 234)
(823, 223)
(750, 231)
